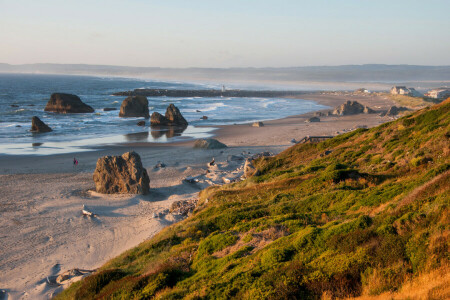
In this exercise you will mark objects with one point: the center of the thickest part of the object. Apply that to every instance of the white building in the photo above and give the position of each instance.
(403, 90)
(440, 93)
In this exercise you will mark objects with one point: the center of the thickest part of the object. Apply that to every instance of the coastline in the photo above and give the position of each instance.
(43, 232)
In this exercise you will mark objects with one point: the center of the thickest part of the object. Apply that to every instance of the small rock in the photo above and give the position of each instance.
(294, 141)
(313, 119)
(38, 126)
(209, 144)
(204, 118)
(160, 165)
(14, 105)
(234, 158)
(141, 123)
(258, 124)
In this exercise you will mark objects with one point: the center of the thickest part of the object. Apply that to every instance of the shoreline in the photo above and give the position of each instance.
(43, 233)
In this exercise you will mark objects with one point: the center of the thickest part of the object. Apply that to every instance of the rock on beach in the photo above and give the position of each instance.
(121, 175)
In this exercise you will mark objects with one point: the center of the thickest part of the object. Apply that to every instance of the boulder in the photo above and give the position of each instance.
(209, 144)
(313, 119)
(38, 126)
(368, 110)
(249, 169)
(173, 115)
(141, 123)
(351, 108)
(158, 119)
(134, 106)
(394, 110)
(121, 175)
(258, 124)
(67, 103)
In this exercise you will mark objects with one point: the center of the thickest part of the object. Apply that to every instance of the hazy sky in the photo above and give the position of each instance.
(228, 33)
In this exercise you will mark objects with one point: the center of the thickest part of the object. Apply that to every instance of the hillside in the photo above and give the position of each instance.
(365, 213)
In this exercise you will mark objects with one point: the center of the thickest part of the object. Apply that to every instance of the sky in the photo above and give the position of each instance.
(228, 33)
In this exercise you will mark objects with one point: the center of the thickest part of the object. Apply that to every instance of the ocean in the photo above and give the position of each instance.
(23, 96)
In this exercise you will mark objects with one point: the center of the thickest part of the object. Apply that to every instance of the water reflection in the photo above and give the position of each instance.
(137, 137)
(169, 131)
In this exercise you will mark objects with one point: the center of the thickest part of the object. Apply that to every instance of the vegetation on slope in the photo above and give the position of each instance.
(360, 214)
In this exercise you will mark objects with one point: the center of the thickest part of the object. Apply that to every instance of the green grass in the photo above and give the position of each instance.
(363, 219)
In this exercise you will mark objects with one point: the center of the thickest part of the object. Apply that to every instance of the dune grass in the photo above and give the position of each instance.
(366, 219)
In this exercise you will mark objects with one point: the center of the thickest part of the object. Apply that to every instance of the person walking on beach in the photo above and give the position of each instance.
(75, 162)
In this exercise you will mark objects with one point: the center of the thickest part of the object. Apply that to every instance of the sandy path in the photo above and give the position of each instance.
(42, 230)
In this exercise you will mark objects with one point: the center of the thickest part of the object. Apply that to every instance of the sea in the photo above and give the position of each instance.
(23, 96)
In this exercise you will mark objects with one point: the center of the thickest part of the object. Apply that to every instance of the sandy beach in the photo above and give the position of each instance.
(43, 232)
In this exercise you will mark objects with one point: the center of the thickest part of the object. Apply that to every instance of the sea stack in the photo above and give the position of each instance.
(121, 175)
(173, 117)
(67, 103)
(134, 106)
(38, 126)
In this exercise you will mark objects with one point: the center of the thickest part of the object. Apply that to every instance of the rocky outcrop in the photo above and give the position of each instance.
(67, 103)
(394, 110)
(121, 175)
(158, 119)
(351, 108)
(313, 119)
(173, 117)
(134, 106)
(209, 144)
(258, 124)
(38, 126)
(368, 110)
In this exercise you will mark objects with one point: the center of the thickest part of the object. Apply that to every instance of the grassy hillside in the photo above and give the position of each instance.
(361, 214)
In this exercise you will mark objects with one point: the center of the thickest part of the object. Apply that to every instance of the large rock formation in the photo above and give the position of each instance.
(134, 106)
(67, 103)
(173, 117)
(38, 126)
(351, 108)
(121, 175)
(209, 144)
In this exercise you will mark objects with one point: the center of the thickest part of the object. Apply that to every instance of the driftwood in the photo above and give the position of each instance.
(192, 179)
(87, 213)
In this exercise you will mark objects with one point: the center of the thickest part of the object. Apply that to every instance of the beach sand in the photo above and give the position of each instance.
(43, 232)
